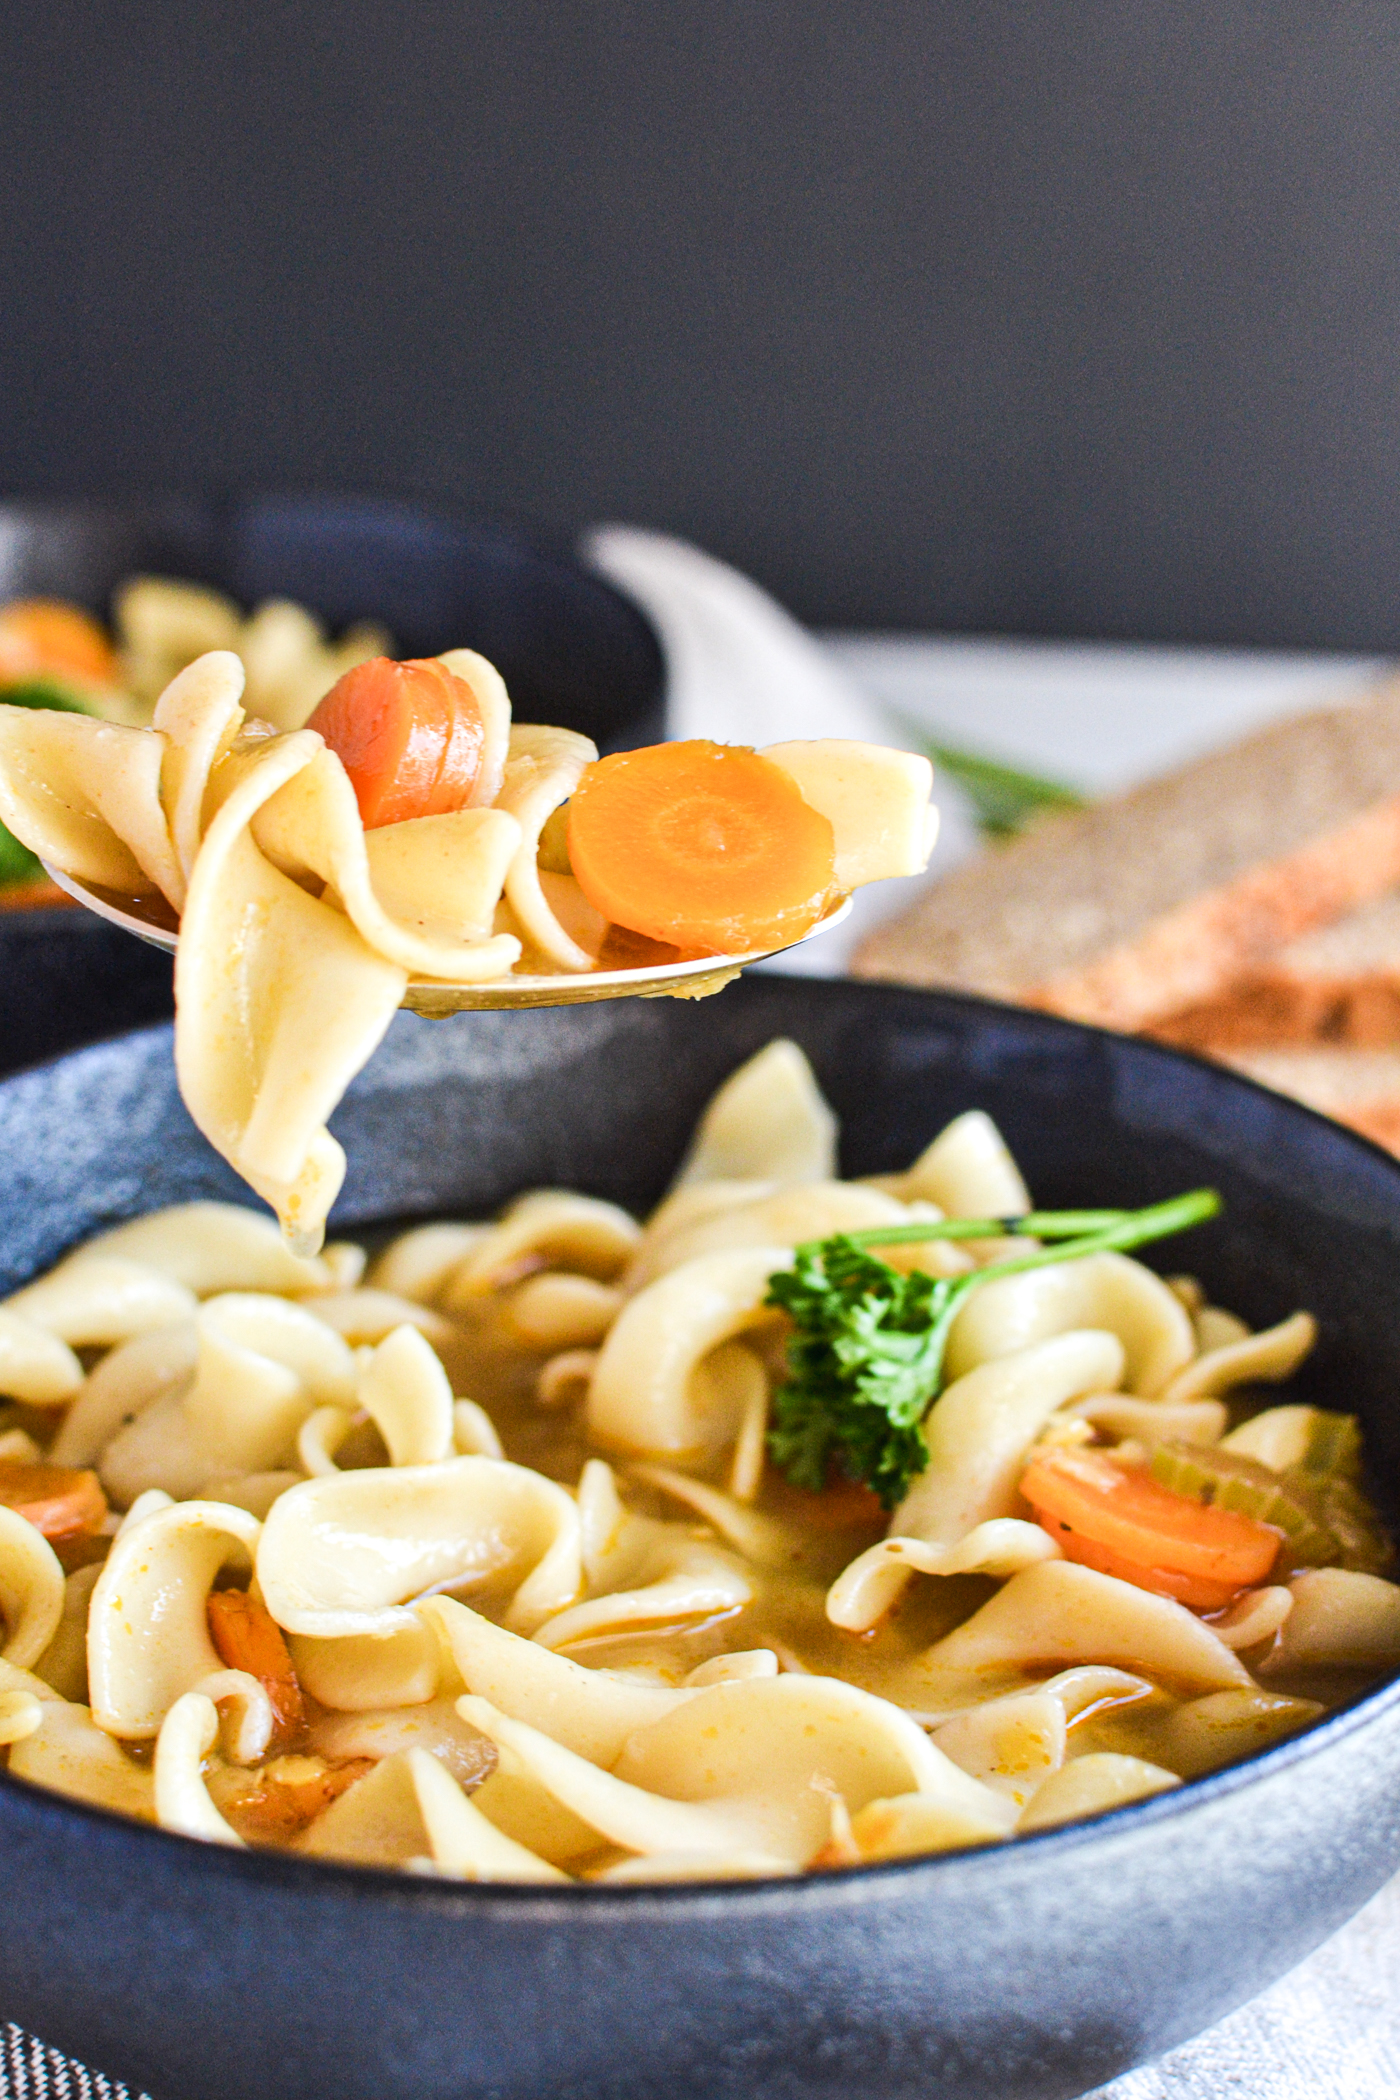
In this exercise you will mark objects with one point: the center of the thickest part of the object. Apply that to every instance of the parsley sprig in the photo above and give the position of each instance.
(865, 1361)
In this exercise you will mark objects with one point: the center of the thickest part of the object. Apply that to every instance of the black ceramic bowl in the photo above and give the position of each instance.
(1041, 1967)
(571, 649)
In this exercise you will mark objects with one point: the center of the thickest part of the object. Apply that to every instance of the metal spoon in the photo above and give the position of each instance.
(695, 978)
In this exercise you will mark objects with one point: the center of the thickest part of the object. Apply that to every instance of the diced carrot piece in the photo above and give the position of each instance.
(410, 735)
(39, 635)
(64, 1502)
(31, 896)
(703, 845)
(247, 1637)
(1121, 1521)
(842, 1505)
(310, 1784)
(281, 1800)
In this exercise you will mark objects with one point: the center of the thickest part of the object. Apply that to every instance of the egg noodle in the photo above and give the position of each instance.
(300, 928)
(473, 1562)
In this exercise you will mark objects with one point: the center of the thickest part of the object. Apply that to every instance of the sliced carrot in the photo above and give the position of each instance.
(247, 1637)
(1121, 1521)
(64, 1502)
(410, 736)
(703, 845)
(39, 635)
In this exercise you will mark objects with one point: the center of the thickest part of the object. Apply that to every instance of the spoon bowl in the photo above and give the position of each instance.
(658, 974)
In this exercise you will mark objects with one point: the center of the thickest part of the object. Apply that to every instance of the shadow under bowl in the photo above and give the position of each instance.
(1028, 1971)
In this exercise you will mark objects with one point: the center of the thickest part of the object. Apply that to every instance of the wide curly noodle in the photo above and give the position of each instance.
(299, 929)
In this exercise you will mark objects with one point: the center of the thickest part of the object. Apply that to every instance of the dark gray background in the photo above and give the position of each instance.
(1069, 318)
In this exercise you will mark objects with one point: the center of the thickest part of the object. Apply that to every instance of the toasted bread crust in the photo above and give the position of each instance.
(1340, 984)
(1194, 950)
(1273, 1008)
(1129, 911)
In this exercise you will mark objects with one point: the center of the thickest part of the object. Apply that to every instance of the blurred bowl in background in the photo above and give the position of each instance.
(571, 649)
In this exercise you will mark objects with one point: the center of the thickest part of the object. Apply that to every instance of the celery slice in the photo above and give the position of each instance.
(1231, 1481)
(1361, 1538)
(1306, 1439)
(1334, 1445)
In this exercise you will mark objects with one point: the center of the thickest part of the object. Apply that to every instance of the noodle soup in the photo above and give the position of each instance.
(570, 1546)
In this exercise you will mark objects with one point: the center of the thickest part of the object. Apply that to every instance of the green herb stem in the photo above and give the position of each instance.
(1037, 1224)
(1108, 1230)
(1004, 798)
(866, 1357)
(1050, 1225)
(1135, 1228)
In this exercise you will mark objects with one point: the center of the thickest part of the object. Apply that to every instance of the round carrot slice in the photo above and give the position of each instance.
(704, 845)
(1197, 1591)
(1121, 1521)
(409, 735)
(39, 635)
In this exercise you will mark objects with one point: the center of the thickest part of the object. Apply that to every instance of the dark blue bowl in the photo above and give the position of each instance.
(572, 650)
(1038, 1968)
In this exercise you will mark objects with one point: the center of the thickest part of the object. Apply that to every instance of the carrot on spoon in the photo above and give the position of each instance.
(410, 736)
(1121, 1521)
(703, 845)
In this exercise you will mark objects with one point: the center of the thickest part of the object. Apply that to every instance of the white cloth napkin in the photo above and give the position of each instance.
(1328, 2031)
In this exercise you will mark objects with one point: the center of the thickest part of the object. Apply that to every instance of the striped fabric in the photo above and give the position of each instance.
(30, 2071)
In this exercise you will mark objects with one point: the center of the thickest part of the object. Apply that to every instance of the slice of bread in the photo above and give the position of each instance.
(1340, 984)
(1133, 910)
(1358, 1087)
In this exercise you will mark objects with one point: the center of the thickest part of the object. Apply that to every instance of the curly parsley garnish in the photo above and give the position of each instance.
(865, 1361)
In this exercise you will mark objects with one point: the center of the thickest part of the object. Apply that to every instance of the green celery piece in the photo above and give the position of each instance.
(866, 1357)
(1204, 1473)
(17, 863)
(1334, 1445)
(43, 692)
(1352, 1519)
